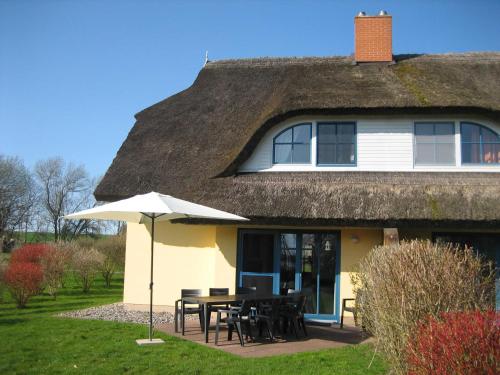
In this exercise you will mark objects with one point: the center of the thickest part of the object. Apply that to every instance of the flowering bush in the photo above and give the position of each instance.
(30, 253)
(24, 280)
(456, 343)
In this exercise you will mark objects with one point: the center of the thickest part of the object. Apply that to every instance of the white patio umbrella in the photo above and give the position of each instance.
(152, 207)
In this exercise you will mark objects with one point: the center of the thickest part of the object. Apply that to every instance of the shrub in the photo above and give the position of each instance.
(113, 250)
(30, 253)
(85, 242)
(53, 265)
(401, 284)
(65, 251)
(24, 280)
(456, 343)
(86, 263)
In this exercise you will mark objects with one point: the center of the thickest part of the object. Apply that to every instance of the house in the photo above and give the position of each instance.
(328, 157)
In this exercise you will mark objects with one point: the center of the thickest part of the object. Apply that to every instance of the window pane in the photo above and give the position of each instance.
(288, 240)
(301, 153)
(489, 136)
(425, 153)
(445, 153)
(470, 153)
(345, 154)
(326, 154)
(327, 253)
(326, 133)
(282, 153)
(287, 264)
(470, 133)
(285, 137)
(491, 153)
(424, 132)
(345, 133)
(258, 251)
(309, 272)
(445, 133)
(302, 133)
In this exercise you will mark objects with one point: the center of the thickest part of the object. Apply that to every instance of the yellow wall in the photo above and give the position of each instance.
(353, 252)
(186, 256)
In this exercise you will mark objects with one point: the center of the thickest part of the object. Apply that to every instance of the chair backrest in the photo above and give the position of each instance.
(218, 291)
(191, 293)
(245, 308)
(302, 304)
(246, 290)
(291, 292)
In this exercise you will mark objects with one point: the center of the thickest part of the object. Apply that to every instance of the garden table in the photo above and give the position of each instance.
(207, 301)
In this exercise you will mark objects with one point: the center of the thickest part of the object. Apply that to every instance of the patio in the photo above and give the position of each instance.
(319, 337)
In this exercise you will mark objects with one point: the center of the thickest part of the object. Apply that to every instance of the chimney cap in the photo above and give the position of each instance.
(361, 14)
(383, 13)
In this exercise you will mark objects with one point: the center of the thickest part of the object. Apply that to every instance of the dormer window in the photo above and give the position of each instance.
(293, 145)
(480, 145)
(336, 143)
(434, 143)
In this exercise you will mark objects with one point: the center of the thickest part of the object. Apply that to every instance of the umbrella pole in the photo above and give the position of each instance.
(151, 340)
(151, 281)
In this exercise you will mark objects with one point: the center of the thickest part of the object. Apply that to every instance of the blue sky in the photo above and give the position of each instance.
(74, 73)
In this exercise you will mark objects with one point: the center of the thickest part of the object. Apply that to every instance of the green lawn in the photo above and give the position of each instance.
(36, 342)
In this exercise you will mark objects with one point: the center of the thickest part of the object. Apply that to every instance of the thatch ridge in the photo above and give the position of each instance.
(191, 144)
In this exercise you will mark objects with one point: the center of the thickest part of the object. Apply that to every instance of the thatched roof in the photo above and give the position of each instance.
(191, 144)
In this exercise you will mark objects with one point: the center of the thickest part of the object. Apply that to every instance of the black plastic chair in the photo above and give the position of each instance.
(188, 309)
(218, 291)
(246, 290)
(294, 315)
(268, 316)
(215, 308)
(236, 318)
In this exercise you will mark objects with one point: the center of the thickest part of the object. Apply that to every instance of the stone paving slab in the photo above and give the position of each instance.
(319, 337)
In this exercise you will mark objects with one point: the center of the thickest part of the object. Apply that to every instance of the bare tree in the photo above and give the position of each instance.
(18, 194)
(65, 188)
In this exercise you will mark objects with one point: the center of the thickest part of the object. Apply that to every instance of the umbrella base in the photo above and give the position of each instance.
(149, 342)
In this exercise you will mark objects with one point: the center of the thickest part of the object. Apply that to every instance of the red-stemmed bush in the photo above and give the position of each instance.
(24, 280)
(30, 253)
(456, 343)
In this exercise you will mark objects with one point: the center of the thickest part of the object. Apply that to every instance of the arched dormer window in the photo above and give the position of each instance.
(293, 145)
(480, 145)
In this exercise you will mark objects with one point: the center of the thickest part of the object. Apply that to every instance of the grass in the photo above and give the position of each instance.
(34, 341)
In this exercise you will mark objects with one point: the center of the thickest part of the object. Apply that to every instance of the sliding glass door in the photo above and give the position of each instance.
(278, 261)
(319, 274)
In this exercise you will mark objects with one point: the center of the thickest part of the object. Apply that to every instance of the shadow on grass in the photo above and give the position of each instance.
(12, 321)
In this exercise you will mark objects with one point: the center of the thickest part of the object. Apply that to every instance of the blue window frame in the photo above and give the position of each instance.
(336, 143)
(293, 145)
(480, 145)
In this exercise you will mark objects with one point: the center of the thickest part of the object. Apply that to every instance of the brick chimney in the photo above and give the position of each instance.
(373, 37)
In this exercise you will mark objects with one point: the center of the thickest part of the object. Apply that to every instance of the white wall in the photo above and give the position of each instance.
(383, 144)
